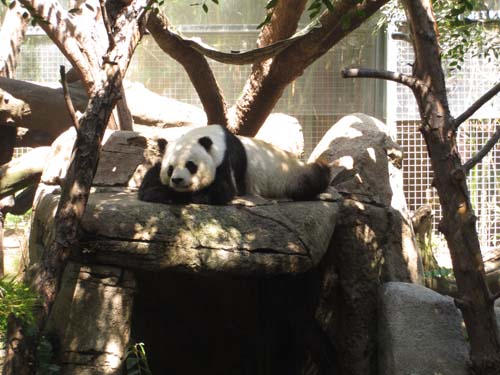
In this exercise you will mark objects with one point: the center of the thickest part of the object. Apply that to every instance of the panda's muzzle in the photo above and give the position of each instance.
(177, 181)
(180, 184)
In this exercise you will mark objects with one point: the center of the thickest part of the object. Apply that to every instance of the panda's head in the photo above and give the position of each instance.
(190, 163)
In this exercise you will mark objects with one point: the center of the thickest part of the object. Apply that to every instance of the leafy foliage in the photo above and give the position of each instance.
(18, 299)
(440, 273)
(137, 361)
(464, 27)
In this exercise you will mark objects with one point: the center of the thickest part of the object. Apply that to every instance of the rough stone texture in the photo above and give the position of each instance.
(419, 332)
(253, 287)
(366, 166)
(271, 239)
(93, 299)
(361, 147)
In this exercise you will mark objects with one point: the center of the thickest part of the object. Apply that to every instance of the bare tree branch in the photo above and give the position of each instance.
(476, 159)
(401, 36)
(477, 104)
(284, 21)
(60, 26)
(458, 223)
(14, 25)
(107, 24)
(240, 58)
(67, 98)
(254, 106)
(196, 67)
(409, 81)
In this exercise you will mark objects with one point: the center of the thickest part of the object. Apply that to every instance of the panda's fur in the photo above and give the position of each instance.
(211, 165)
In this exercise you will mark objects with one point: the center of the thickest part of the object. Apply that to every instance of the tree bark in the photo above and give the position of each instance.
(458, 222)
(196, 67)
(42, 109)
(264, 89)
(14, 27)
(128, 27)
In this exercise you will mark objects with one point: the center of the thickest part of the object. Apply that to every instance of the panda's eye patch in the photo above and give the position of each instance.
(191, 167)
(170, 170)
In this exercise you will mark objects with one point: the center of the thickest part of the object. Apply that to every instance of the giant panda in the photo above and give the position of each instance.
(211, 165)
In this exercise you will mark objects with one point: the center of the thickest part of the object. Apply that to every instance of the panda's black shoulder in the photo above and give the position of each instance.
(236, 159)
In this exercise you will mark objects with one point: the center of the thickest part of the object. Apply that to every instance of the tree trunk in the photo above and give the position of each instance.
(458, 222)
(196, 67)
(14, 27)
(7, 141)
(104, 86)
(265, 86)
(43, 111)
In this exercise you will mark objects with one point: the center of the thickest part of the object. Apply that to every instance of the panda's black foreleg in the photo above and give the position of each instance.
(219, 193)
(152, 190)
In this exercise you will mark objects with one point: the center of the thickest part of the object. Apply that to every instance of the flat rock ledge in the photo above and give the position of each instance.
(246, 238)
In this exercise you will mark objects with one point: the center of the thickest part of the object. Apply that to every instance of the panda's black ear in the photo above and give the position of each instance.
(162, 144)
(206, 142)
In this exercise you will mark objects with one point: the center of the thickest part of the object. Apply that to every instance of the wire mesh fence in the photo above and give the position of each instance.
(464, 87)
(320, 97)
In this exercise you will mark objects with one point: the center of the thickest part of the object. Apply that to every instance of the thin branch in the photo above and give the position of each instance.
(107, 25)
(476, 105)
(67, 98)
(241, 58)
(401, 36)
(409, 81)
(472, 162)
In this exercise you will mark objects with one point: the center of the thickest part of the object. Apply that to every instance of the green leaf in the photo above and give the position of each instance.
(205, 7)
(266, 21)
(328, 5)
(271, 4)
(314, 5)
(215, 1)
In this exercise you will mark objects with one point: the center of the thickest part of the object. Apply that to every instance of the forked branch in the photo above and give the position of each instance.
(477, 104)
(476, 159)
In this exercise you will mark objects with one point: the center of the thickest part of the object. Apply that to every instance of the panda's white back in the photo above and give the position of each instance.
(271, 172)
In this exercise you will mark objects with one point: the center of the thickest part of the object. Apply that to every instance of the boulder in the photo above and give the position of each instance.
(420, 332)
(282, 287)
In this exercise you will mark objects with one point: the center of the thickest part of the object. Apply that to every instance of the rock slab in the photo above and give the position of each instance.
(419, 332)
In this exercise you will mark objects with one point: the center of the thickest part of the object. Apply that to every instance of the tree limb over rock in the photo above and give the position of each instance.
(23, 171)
(42, 109)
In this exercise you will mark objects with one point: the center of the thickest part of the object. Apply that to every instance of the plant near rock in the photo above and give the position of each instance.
(17, 299)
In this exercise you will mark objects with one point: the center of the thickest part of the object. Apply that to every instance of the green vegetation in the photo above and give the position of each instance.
(137, 362)
(465, 29)
(15, 298)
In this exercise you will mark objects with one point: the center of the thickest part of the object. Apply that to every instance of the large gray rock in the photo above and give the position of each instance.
(366, 166)
(419, 332)
(297, 280)
(245, 238)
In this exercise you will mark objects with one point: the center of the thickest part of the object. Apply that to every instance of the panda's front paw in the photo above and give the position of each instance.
(157, 194)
